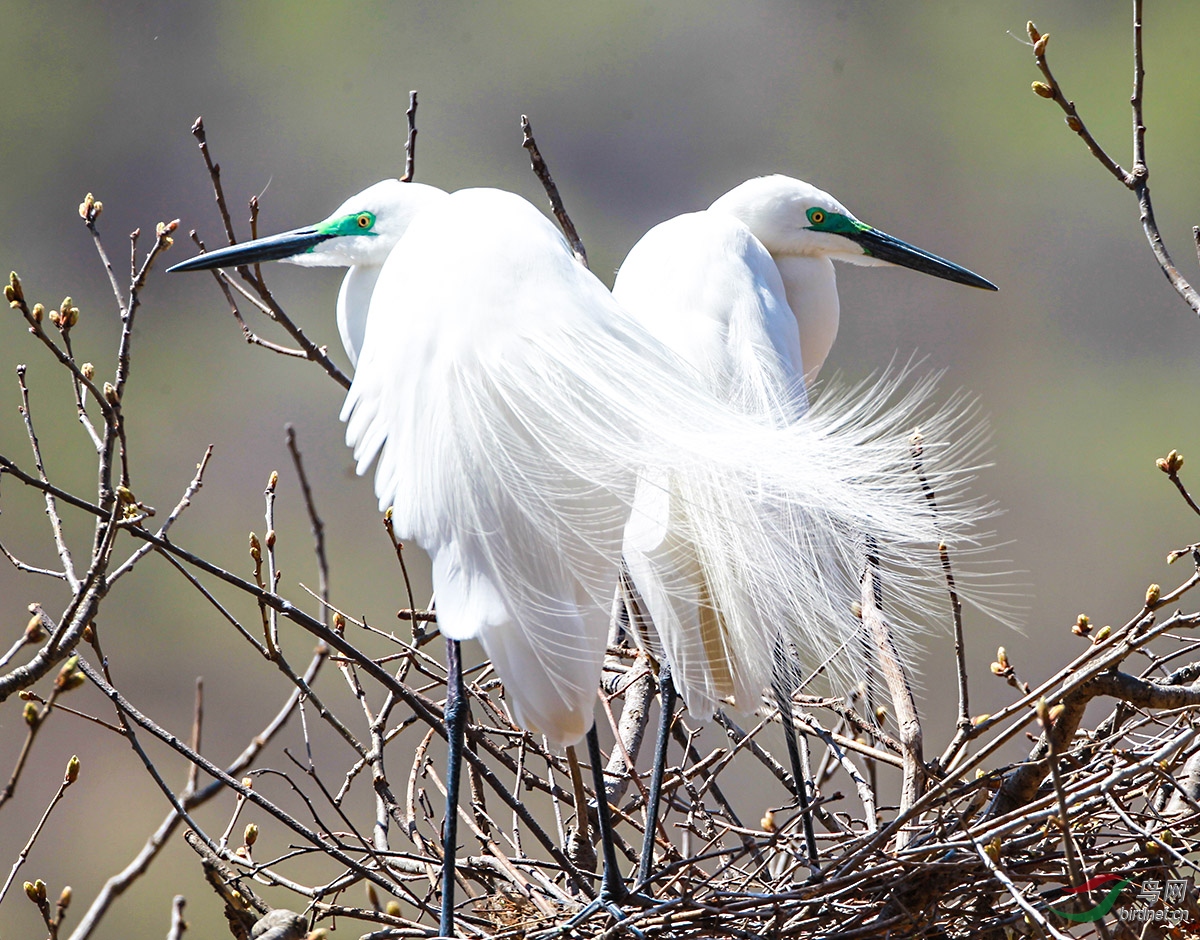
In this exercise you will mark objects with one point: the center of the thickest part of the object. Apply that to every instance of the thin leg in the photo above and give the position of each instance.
(611, 887)
(781, 686)
(613, 892)
(667, 697)
(456, 721)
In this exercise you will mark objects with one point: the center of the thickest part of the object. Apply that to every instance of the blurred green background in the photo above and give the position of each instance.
(918, 117)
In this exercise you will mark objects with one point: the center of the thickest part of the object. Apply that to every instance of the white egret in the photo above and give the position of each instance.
(746, 292)
(514, 408)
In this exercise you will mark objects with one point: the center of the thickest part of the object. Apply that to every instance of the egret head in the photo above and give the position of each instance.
(362, 231)
(792, 218)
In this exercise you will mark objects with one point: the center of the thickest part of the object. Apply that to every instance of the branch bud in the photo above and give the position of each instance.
(1082, 625)
(88, 370)
(1039, 45)
(1102, 634)
(767, 823)
(35, 629)
(33, 893)
(1074, 123)
(72, 773)
(1034, 35)
(31, 715)
(255, 548)
(1172, 463)
(271, 539)
(64, 899)
(90, 208)
(339, 623)
(110, 394)
(251, 834)
(13, 292)
(1153, 593)
(1042, 89)
(37, 313)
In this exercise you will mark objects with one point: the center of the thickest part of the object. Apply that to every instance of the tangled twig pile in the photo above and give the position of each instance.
(973, 849)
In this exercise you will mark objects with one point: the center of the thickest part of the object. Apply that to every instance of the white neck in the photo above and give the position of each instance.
(811, 287)
(354, 300)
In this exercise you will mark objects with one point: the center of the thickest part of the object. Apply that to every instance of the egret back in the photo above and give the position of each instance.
(516, 409)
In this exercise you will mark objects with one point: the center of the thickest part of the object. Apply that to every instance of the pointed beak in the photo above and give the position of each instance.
(271, 248)
(883, 246)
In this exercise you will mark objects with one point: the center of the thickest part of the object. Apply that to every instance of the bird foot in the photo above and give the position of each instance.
(616, 907)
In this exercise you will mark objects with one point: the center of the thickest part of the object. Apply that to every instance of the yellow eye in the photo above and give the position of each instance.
(816, 217)
(364, 220)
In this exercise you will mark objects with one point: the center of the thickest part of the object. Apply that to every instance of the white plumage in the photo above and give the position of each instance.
(514, 409)
(746, 292)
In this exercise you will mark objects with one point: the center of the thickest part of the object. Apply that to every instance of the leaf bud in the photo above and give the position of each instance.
(13, 291)
(1153, 593)
(1074, 123)
(1034, 35)
(1082, 625)
(273, 480)
(767, 823)
(125, 494)
(1056, 711)
(37, 313)
(1102, 634)
(270, 538)
(339, 623)
(251, 834)
(993, 849)
(1039, 45)
(31, 891)
(1172, 463)
(373, 898)
(980, 719)
(255, 548)
(1043, 710)
(35, 629)
(30, 714)
(72, 773)
(1042, 90)
(393, 910)
(1002, 656)
(110, 394)
(64, 898)
(88, 370)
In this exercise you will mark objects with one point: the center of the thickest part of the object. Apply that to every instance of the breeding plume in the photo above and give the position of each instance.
(746, 293)
(512, 408)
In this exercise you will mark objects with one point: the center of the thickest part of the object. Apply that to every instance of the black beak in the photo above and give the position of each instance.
(271, 248)
(880, 245)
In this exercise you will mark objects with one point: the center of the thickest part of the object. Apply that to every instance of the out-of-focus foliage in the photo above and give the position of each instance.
(918, 116)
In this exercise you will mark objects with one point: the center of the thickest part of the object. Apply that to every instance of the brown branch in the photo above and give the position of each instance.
(410, 145)
(556, 203)
(1137, 179)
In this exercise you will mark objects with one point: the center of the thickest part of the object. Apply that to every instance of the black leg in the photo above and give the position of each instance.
(667, 697)
(456, 721)
(611, 887)
(613, 892)
(782, 687)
